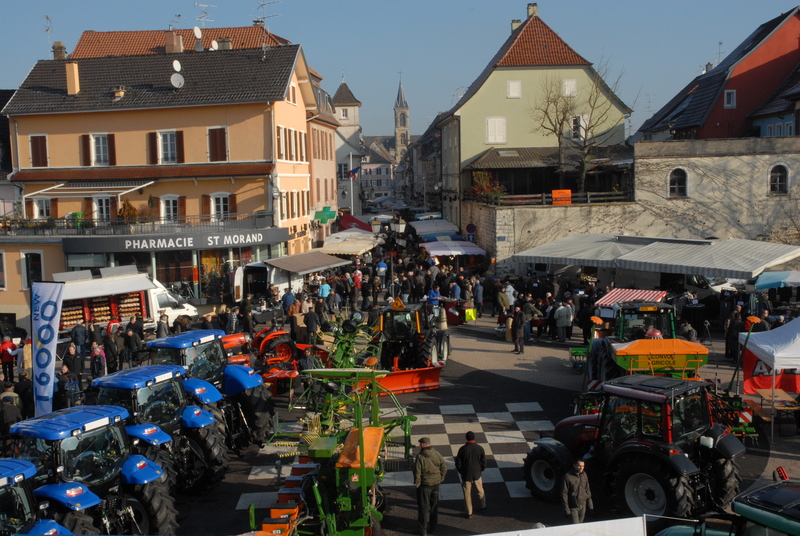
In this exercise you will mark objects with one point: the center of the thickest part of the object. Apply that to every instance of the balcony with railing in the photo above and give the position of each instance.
(78, 226)
(566, 198)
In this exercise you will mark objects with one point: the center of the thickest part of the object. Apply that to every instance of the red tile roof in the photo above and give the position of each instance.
(536, 44)
(143, 172)
(135, 43)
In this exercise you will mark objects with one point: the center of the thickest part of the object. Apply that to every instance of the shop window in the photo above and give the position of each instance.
(31, 268)
(42, 209)
(217, 145)
(778, 180)
(39, 151)
(678, 183)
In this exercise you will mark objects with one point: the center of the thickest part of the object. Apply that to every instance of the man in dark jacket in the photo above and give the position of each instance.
(575, 493)
(79, 337)
(24, 389)
(470, 463)
(429, 472)
(11, 415)
(518, 330)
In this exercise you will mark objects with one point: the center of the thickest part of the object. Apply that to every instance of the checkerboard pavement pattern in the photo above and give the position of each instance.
(506, 436)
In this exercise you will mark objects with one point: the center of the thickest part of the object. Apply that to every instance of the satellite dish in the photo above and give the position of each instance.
(197, 33)
(176, 65)
(214, 45)
(177, 80)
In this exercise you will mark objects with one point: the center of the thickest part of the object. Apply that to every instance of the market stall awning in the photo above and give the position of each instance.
(433, 226)
(630, 294)
(734, 258)
(768, 280)
(448, 247)
(76, 289)
(308, 262)
(350, 242)
(433, 237)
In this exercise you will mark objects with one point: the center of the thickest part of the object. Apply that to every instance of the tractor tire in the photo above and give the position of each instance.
(77, 522)
(428, 352)
(542, 475)
(161, 457)
(158, 506)
(726, 480)
(645, 486)
(444, 351)
(219, 417)
(282, 346)
(208, 459)
(258, 409)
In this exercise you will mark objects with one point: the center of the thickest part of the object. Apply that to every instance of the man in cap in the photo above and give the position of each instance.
(429, 472)
(470, 463)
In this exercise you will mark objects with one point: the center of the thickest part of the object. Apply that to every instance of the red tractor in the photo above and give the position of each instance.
(650, 444)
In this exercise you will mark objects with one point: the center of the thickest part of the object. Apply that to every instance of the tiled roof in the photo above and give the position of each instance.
(345, 97)
(782, 100)
(534, 43)
(136, 43)
(690, 107)
(211, 78)
(5, 132)
(114, 173)
(537, 157)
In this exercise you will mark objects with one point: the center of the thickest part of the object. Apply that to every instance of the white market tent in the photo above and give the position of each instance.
(350, 242)
(734, 258)
(451, 247)
(433, 226)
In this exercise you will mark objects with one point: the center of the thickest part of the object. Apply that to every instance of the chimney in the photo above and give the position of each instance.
(533, 10)
(174, 43)
(119, 92)
(709, 67)
(225, 43)
(73, 82)
(59, 51)
(515, 24)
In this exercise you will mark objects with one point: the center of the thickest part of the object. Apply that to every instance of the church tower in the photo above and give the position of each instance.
(402, 136)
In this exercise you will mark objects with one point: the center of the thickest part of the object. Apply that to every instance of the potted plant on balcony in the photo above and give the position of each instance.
(484, 188)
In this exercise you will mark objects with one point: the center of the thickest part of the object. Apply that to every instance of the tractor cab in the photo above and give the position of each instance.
(200, 352)
(410, 339)
(636, 318)
(20, 512)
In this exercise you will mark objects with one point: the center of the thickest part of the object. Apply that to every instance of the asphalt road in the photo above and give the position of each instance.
(215, 512)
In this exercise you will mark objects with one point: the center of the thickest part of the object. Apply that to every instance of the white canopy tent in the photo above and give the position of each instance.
(350, 242)
(451, 247)
(433, 226)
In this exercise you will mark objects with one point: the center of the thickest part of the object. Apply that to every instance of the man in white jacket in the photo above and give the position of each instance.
(563, 318)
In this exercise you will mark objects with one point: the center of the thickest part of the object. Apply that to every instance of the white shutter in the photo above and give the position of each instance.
(514, 89)
(495, 130)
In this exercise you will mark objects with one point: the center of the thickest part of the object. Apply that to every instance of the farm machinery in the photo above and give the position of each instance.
(23, 512)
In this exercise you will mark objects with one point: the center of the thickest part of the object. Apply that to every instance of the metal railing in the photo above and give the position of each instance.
(586, 198)
(135, 226)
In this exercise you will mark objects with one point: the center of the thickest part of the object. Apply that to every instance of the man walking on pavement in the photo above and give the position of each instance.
(575, 493)
(429, 472)
(470, 463)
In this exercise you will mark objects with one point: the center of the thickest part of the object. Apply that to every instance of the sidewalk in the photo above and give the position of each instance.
(477, 345)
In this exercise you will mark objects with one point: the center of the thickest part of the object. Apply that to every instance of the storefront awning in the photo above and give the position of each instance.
(433, 237)
(350, 242)
(104, 286)
(449, 247)
(306, 263)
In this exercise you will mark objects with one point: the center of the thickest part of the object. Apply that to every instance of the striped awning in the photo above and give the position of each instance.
(630, 294)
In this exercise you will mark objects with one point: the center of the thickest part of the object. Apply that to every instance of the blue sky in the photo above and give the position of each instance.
(439, 45)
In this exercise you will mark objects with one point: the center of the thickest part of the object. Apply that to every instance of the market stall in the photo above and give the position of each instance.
(352, 241)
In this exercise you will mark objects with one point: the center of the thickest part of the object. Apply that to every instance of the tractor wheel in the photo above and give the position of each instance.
(542, 475)
(258, 408)
(208, 459)
(444, 351)
(645, 486)
(77, 522)
(427, 353)
(282, 346)
(219, 417)
(726, 480)
(154, 507)
(161, 457)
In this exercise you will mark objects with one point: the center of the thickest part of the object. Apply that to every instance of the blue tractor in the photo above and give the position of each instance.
(22, 513)
(245, 411)
(189, 445)
(89, 445)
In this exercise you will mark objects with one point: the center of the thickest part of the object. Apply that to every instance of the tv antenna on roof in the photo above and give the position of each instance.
(203, 13)
(176, 19)
(263, 7)
(48, 27)
(720, 53)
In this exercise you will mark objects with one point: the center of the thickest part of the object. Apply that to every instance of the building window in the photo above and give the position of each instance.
(514, 89)
(343, 113)
(580, 127)
(779, 180)
(42, 208)
(217, 145)
(169, 205)
(284, 206)
(293, 94)
(341, 171)
(790, 128)
(220, 206)
(677, 183)
(38, 151)
(102, 209)
(769, 131)
(779, 130)
(495, 130)
(31, 268)
(730, 98)
(569, 87)
(294, 204)
(100, 156)
(169, 148)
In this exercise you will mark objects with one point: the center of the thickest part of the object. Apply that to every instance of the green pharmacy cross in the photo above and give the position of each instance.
(325, 215)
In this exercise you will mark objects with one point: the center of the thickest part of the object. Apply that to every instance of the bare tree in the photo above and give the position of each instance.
(581, 121)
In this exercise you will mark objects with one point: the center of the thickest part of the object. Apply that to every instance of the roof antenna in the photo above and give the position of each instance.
(48, 27)
(342, 76)
(175, 20)
(720, 53)
(203, 13)
(263, 7)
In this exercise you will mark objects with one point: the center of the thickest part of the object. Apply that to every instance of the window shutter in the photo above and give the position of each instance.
(112, 150)
(152, 147)
(38, 151)
(232, 204)
(29, 209)
(279, 142)
(206, 208)
(88, 207)
(86, 150)
(113, 208)
(179, 146)
(217, 150)
(182, 209)
(54, 208)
